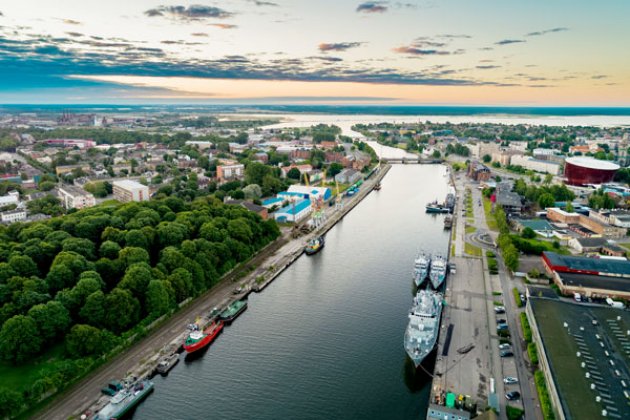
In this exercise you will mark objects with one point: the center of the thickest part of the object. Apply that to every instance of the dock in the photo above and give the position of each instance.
(167, 334)
(462, 378)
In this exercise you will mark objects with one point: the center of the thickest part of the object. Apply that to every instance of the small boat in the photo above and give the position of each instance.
(125, 400)
(377, 187)
(199, 339)
(314, 245)
(167, 363)
(448, 221)
(233, 311)
(435, 207)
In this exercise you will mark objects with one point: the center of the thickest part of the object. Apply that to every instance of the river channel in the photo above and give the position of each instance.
(325, 339)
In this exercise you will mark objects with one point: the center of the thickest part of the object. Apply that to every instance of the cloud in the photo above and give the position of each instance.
(75, 34)
(509, 41)
(179, 42)
(71, 22)
(372, 7)
(224, 25)
(193, 12)
(547, 31)
(488, 67)
(424, 46)
(326, 59)
(46, 62)
(338, 46)
(200, 34)
(412, 50)
(1, 14)
(599, 76)
(264, 3)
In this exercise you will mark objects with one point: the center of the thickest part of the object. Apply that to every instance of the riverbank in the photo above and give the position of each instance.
(141, 359)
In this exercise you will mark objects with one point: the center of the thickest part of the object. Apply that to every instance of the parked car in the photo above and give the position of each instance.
(513, 395)
(499, 310)
(523, 298)
(502, 327)
(501, 321)
(510, 380)
(506, 353)
(505, 346)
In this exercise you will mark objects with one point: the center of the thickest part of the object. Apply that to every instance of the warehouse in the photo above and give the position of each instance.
(294, 212)
(584, 356)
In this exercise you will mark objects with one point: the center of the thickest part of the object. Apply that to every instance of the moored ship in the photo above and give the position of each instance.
(448, 221)
(314, 245)
(424, 324)
(125, 400)
(167, 363)
(437, 272)
(233, 311)
(435, 207)
(197, 339)
(421, 268)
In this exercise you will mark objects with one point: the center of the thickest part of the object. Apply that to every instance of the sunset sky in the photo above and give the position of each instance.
(494, 52)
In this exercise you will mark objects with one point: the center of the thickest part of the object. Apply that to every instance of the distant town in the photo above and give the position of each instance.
(113, 223)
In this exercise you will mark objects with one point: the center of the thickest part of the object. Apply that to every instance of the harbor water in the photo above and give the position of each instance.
(325, 339)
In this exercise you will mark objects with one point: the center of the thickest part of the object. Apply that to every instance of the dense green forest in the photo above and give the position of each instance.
(83, 282)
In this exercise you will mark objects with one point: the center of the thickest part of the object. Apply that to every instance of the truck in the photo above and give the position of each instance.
(577, 297)
(615, 304)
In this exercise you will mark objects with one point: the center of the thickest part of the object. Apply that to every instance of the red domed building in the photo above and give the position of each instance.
(585, 170)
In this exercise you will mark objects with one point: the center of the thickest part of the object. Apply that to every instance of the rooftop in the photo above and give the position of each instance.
(585, 265)
(128, 184)
(562, 344)
(591, 242)
(508, 198)
(587, 162)
(535, 224)
(295, 208)
(590, 281)
(73, 190)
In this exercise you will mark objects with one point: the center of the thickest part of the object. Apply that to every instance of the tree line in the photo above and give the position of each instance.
(87, 278)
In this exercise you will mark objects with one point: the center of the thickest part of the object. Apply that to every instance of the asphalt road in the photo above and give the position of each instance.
(529, 397)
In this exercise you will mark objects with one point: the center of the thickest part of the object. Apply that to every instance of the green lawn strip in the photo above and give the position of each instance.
(514, 413)
(472, 250)
(527, 331)
(517, 297)
(470, 229)
(543, 396)
(490, 220)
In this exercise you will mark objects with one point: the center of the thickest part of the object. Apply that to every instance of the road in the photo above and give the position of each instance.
(516, 366)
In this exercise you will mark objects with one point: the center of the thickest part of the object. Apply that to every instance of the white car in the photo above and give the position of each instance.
(505, 346)
(510, 380)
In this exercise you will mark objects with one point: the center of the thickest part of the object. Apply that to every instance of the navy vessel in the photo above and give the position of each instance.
(424, 325)
(437, 272)
(421, 268)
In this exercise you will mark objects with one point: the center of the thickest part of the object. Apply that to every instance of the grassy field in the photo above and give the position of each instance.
(469, 206)
(21, 377)
(470, 249)
(487, 209)
(470, 229)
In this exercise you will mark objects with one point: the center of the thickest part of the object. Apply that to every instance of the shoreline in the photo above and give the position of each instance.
(140, 359)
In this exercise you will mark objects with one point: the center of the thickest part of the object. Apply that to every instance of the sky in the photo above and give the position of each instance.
(416, 52)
